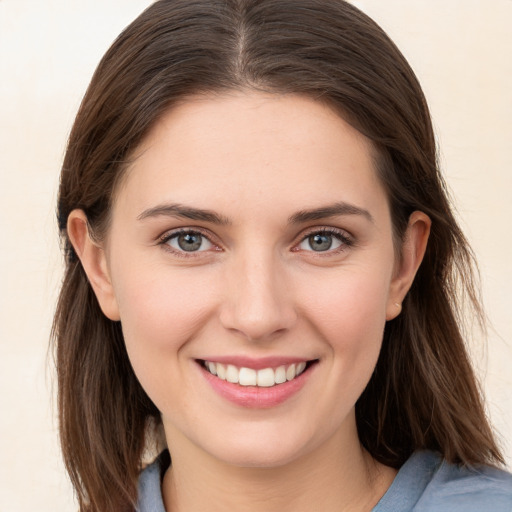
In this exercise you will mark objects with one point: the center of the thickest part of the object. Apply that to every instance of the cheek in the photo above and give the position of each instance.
(349, 312)
(161, 305)
(160, 312)
(349, 307)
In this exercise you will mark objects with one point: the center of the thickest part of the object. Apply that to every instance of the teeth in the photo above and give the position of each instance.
(212, 368)
(267, 377)
(232, 374)
(280, 375)
(247, 377)
(300, 368)
(221, 371)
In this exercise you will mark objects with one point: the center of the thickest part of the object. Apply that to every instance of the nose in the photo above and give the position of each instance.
(258, 303)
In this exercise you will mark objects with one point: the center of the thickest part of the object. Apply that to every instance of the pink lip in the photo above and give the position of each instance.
(255, 363)
(253, 396)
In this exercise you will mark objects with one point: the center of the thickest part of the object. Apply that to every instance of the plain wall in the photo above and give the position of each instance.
(460, 50)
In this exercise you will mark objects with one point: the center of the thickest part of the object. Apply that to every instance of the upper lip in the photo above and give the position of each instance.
(256, 363)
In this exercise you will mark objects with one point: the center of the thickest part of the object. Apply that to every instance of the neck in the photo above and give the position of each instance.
(335, 477)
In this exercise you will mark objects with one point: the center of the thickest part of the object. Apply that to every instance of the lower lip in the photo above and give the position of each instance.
(257, 397)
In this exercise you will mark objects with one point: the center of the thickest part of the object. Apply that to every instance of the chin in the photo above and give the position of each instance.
(260, 451)
(257, 459)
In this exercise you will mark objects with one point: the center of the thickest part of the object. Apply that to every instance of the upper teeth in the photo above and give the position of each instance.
(265, 377)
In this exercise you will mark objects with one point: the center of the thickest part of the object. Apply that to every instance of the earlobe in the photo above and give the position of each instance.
(94, 262)
(413, 250)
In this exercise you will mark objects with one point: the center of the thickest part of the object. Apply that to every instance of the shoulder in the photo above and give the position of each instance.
(470, 489)
(426, 483)
(150, 485)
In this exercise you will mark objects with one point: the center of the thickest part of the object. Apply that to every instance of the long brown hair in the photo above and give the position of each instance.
(423, 393)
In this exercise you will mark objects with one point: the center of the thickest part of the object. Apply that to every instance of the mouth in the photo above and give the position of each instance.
(259, 378)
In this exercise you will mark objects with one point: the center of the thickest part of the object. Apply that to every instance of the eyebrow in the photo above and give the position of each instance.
(333, 210)
(188, 212)
(184, 212)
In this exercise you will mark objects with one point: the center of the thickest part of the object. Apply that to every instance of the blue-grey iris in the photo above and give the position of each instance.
(190, 241)
(320, 242)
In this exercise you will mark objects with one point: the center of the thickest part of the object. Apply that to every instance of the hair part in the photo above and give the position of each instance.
(423, 393)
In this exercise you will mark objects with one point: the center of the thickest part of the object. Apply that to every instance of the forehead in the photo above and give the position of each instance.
(250, 149)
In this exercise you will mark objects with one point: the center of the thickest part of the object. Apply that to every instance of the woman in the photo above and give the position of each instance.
(262, 260)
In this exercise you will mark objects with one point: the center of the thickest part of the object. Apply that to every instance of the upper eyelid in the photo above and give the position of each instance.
(321, 229)
(170, 233)
(325, 229)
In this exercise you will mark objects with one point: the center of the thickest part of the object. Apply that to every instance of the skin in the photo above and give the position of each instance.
(257, 289)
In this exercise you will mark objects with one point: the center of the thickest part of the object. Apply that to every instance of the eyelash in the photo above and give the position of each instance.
(167, 237)
(340, 235)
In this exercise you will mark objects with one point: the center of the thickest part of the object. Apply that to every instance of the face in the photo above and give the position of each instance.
(251, 239)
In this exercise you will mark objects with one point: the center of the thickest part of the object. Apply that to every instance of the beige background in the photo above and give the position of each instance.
(461, 51)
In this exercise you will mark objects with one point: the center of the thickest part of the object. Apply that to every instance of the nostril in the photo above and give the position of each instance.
(257, 304)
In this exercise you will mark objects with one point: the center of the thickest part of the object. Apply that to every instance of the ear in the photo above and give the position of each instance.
(413, 250)
(94, 261)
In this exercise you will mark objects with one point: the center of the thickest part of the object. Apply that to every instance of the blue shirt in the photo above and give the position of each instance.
(425, 483)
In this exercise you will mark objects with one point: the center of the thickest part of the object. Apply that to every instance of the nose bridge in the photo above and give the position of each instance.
(258, 303)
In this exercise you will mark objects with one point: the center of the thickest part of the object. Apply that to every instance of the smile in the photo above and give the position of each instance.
(261, 383)
(265, 377)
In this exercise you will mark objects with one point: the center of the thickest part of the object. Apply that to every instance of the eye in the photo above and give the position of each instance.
(324, 241)
(188, 241)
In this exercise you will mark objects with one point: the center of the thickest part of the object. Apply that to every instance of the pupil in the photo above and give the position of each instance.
(189, 242)
(320, 242)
